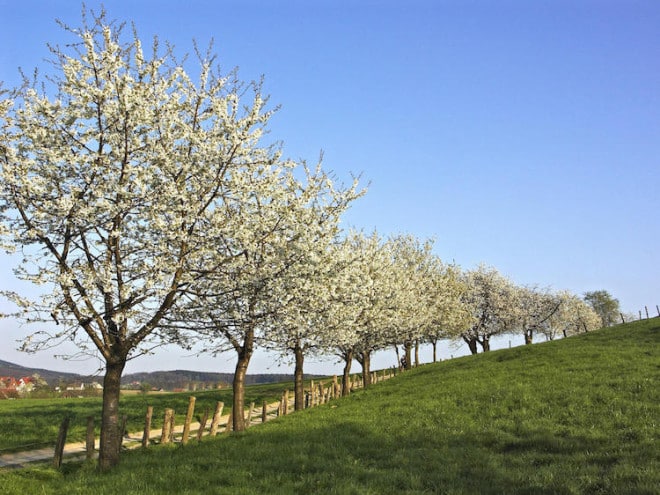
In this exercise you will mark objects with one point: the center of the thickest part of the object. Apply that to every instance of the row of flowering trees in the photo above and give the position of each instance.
(377, 293)
(351, 295)
(148, 205)
(498, 306)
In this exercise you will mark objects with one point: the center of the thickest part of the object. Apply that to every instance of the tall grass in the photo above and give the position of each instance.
(577, 416)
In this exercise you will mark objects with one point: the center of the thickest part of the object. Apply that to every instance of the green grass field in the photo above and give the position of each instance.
(576, 416)
(33, 423)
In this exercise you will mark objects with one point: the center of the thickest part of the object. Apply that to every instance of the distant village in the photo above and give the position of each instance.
(28, 386)
(35, 386)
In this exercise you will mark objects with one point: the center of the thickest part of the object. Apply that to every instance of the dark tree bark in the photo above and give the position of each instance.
(346, 378)
(299, 384)
(416, 353)
(364, 358)
(407, 346)
(472, 344)
(111, 436)
(238, 386)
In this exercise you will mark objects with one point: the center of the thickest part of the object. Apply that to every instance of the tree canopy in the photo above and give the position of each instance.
(604, 305)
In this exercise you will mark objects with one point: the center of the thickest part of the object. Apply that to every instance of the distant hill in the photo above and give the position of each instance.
(167, 380)
(186, 379)
(52, 377)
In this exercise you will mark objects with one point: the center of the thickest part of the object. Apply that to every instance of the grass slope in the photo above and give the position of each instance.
(577, 416)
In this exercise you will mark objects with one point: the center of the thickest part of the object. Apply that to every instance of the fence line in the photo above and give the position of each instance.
(646, 312)
(316, 394)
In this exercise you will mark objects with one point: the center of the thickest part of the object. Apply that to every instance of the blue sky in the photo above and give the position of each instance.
(522, 134)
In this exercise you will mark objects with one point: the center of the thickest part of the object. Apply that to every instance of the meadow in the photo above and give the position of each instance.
(575, 416)
(34, 423)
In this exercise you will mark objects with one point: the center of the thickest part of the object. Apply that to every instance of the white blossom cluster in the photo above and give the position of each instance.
(498, 306)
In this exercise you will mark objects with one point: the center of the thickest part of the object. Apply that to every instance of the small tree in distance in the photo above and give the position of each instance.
(536, 308)
(604, 305)
(494, 304)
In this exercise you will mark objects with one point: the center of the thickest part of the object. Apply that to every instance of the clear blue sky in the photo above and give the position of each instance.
(523, 134)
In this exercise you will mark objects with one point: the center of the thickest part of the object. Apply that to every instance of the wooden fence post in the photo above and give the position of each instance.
(264, 412)
(215, 422)
(312, 398)
(89, 443)
(647, 312)
(147, 426)
(122, 430)
(202, 424)
(230, 423)
(168, 424)
(249, 417)
(189, 415)
(61, 441)
(172, 425)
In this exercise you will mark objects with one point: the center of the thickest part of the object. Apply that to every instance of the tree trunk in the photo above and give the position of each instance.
(416, 353)
(472, 344)
(528, 337)
(346, 379)
(485, 344)
(407, 346)
(364, 358)
(238, 385)
(435, 350)
(299, 384)
(111, 437)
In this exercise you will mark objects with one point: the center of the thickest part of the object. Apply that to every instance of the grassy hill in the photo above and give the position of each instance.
(576, 416)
